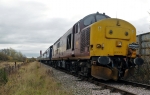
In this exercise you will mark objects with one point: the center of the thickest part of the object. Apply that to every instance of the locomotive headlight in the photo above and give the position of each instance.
(103, 60)
(118, 43)
(138, 61)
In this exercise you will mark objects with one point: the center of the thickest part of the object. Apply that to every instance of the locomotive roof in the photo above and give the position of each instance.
(57, 40)
(91, 18)
(102, 16)
(94, 14)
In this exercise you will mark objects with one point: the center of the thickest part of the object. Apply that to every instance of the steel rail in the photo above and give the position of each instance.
(135, 84)
(104, 85)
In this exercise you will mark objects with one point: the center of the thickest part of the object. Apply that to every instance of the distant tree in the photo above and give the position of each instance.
(31, 59)
(3, 56)
(10, 58)
(11, 55)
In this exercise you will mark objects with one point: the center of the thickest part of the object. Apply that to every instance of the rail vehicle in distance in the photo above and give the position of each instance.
(96, 46)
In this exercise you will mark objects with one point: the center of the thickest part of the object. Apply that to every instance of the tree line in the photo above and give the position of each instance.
(11, 55)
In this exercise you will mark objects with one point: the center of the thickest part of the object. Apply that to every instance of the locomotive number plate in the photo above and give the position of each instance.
(133, 46)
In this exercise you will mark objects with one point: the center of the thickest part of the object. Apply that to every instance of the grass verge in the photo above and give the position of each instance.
(33, 79)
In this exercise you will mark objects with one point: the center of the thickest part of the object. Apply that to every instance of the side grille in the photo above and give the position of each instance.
(85, 39)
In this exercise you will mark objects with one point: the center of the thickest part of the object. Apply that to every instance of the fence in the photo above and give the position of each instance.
(4, 72)
(142, 73)
(144, 49)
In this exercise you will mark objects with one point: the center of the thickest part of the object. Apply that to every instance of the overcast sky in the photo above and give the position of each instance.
(29, 26)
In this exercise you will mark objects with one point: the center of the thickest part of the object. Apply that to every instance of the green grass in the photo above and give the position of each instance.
(33, 79)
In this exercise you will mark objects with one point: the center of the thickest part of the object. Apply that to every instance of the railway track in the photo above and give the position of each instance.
(135, 84)
(111, 88)
(105, 85)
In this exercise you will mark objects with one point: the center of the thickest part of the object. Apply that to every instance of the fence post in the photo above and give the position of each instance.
(140, 42)
(15, 64)
(8, 69)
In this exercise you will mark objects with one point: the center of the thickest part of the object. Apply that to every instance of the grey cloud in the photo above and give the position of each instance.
(24, 24)
(30, 55)
(28, 49)
(39, 32)
(141, 25)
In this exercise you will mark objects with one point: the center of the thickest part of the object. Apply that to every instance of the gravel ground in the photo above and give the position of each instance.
(78, 87)
(130, 88)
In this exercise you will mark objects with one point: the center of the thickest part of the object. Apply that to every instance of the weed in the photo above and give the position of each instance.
(33, 79)
(3, 76)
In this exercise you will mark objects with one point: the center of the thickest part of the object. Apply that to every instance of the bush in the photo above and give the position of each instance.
(11, 55)
(3, 76)
(3, 56)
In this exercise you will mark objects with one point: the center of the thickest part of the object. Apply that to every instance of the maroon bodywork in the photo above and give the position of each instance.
(80, 43)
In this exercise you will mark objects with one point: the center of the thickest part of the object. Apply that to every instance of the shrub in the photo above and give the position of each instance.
(3, 76)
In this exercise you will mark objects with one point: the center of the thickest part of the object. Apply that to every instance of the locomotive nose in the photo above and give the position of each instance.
(138, 61)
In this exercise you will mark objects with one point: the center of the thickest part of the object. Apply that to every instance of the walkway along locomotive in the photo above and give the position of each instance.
(97, 46)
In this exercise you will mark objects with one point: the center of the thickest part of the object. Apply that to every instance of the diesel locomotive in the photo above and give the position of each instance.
(96, 46)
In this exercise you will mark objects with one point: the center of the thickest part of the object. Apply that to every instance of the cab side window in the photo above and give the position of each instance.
(77, 28)
(69, 41)
(58, 44)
